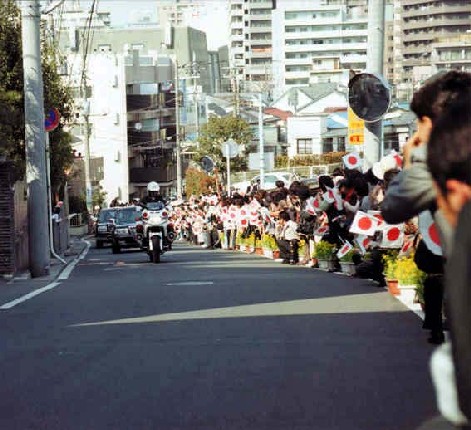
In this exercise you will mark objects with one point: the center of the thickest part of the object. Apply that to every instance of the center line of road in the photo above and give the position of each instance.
(192, 283)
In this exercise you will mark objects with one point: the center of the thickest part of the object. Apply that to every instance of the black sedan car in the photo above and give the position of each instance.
(103, 226)
(124, 228)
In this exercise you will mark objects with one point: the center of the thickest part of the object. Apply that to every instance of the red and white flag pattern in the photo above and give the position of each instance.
(321, 231)
(346, 247)
(352, 160)
(428, 230)
(364, 224)
(363, 242)
(379, 218)
(393, 236)
(408, 246)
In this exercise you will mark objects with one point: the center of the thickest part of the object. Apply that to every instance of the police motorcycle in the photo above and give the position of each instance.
(156, 232)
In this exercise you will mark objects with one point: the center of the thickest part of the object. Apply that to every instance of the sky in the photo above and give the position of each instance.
(212, 21)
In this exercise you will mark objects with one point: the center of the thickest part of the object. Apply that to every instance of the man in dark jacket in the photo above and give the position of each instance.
(449, 161)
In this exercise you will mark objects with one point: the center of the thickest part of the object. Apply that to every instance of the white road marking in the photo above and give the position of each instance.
(192, 283)
(71, 266)
(64, 275)
(28, 296)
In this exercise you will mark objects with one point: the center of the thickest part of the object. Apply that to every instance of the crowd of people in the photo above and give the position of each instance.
(395, 204)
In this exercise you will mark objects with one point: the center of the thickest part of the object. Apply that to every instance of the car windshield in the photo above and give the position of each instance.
(155, 206)
(126, 216)
(105, 216)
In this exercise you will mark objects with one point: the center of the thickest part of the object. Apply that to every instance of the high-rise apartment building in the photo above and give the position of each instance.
(251, 41)
(425, 23)
(179, 12)
(315, 43)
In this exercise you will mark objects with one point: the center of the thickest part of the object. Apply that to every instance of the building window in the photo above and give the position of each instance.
(328, 145)
(304, 146)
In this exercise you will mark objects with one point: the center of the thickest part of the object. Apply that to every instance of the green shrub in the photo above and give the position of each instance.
(324, 250)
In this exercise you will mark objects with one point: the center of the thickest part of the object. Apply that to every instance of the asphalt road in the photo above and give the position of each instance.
(211, 340)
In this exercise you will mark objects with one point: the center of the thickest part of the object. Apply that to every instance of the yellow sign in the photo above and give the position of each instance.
(356, 129)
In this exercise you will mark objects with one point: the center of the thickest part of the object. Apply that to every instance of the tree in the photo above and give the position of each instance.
(198, 182)
(218, 130)
(56, 94)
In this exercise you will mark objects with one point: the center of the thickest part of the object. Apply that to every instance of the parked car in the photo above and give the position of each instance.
(270, 179)
(312, 182)
(102, 226)
(123, 228)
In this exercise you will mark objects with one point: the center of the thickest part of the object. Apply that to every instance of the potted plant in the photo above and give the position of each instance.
(303, 250)
(268, 245)
(240, 241)
(390, 273)
(324, 252)
(346, 263)
(419, 293)
(407, 272)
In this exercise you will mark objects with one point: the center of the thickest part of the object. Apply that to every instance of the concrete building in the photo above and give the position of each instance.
(124, 79)
(317, 44)
(422, 24)
(452, 52)
(251, 42)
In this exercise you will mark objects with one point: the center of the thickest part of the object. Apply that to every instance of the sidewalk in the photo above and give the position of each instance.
(22, 283)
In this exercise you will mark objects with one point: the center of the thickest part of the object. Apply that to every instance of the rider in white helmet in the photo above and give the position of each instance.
(153, 193)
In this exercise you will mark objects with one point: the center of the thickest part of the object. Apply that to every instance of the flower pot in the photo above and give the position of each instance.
(267, 253)
(348, 267)
(242, 248)
(393, 286)
(326, 264)
(259, 251)
(276, 254)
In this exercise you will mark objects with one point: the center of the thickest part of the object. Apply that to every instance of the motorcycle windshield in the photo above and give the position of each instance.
(155, 206)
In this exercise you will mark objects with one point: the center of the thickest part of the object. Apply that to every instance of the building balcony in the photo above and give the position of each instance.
(431, 23)
(436, 10)
(144, 175)
(422, 37)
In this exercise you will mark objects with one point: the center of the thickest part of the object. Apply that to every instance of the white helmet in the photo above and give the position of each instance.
(153, 186)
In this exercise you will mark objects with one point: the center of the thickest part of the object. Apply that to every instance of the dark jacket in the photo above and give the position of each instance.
(458, 288)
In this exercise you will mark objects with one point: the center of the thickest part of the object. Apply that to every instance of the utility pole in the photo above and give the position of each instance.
(88, 182)
(374, 64)
(35, 140)
(177, 137)
(261, 141)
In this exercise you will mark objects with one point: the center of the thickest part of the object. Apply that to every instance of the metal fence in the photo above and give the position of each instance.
(301, 171)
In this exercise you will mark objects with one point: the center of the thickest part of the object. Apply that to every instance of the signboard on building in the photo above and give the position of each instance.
(356, 129)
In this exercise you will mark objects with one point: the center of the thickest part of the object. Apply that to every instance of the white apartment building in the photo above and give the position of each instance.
(317, 44)
(250, 47)
(105, 105)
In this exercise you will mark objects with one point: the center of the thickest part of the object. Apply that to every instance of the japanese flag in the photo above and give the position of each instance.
(379, 218)
(352, 160)
(254, 216)
(363, 243)
(428, 230)
(329, 196)
(407, 247)
(397, 158)
(346, 247)
(393, 236)
(364, 224)
(243, 218)
(321, 230)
